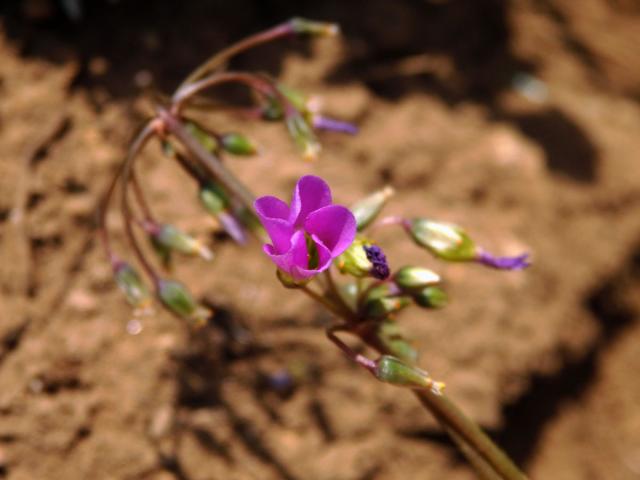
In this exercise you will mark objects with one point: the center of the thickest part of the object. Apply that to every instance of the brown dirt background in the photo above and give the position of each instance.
(546, 360)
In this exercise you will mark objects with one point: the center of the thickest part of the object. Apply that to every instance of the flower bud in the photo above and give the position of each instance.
(392, 370)
(213, 198)
(132, 286)
(177, 298)
(362, 259)
(207, 140)
(354, 261)
(444, 240)
(369, 208)
(303, 136)
(384, 306)
(390, 335)
(431, 297)
(169, 237)
(415, 278)
(302, 25)
(215, 201)
(238, 144)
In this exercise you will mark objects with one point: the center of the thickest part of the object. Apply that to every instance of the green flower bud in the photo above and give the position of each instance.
(354, 261)
(369, 208)
(177, 298)
(131, 284)
(303, 136)
(302, 25)
(213, 198)
(169, 237)
(385, 306)
(392, 370)
(391, 336)
(349, 293)
(431, 297)
(415, 278)
(444, 240)
(205, 139)
(238, 144)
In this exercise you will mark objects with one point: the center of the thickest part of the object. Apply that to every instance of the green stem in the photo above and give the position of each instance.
(448, 414)
(335, 293)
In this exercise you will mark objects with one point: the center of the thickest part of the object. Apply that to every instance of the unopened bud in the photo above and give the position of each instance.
(215, 201)
(444, 240)
(311, 27)
(392, 338)
(177, 298)
(207, 140)
(238, 144)
(354, 261)
(367, 209)
(431, 297)
(213, 198)
(169, 237)
(415, 278)
(303, 136)
(392, 370)
(362, 259)
(385, 306)
(131, 284)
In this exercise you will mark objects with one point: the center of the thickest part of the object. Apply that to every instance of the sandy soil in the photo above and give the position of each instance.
(519, 120)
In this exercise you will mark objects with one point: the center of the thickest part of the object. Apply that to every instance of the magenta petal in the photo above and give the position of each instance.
(302, 272)
(274, 215)
(333, 226)
(310, 194)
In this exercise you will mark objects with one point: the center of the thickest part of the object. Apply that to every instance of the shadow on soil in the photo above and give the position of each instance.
(526, 417)
(458, 51)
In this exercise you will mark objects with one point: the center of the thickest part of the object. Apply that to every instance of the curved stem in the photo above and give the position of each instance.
(136, 147)
(255, 82)
(222, 57)
(142, 201)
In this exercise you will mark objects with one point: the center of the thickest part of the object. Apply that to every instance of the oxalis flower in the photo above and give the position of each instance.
(307, 235)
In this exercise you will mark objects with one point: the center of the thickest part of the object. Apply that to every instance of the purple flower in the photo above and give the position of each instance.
(309, 234)
(503, 263)
(326, 123)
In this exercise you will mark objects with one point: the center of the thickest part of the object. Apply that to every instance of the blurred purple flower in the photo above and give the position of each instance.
(326, 123)
(310, 233)
(518, 262)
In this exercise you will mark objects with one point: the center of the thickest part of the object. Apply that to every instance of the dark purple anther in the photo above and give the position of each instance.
(325, 123)
(377, 257)
(504, 263)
